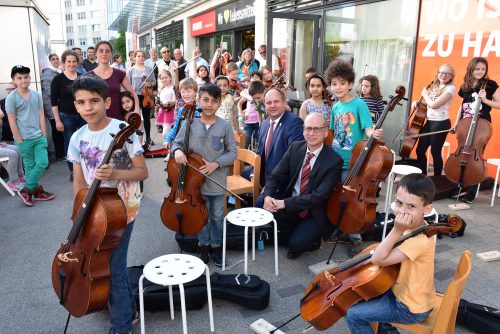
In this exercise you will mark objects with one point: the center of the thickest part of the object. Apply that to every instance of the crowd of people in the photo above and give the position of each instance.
(82, 97)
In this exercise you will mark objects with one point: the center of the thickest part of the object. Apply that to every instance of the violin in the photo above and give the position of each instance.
(419, 113)
(467, 166)
(148, 100)
(80, 269)
(184, 209)
(332, 292)
(352, 205)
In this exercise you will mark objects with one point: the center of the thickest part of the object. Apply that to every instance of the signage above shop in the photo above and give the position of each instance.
(235, 15)
(203, 24)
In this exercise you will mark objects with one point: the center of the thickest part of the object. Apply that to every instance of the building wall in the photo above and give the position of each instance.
(86, 23)
(28, 31)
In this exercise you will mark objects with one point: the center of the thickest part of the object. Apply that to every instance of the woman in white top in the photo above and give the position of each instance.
(438, 98)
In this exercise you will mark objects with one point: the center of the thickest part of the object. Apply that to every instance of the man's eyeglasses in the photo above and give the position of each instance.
(313, 129)
(167, 51)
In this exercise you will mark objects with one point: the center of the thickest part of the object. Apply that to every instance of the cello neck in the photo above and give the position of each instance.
(472, 128)
(84, 208)
(362, 258)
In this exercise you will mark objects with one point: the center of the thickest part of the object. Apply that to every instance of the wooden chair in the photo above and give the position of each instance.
(238, 184)
(444, 314)
(240, 143)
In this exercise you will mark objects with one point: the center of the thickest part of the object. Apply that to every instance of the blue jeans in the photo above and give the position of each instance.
(252, 130)
(211, 233)
(71, 124)
(385, 308)
(121, 301)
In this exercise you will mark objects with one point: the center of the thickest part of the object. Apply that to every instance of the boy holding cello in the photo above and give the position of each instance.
(411, 298)
(126, 168)
(211, 137)
(351, 122)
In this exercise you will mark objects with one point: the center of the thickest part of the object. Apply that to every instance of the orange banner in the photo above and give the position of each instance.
(453, 32)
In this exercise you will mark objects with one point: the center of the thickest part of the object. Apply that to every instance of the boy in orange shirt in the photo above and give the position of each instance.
(411, 298)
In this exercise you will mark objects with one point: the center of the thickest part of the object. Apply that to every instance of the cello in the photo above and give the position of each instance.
(332, 292)
(467, 166)
(80, 269)
(414, 127)
(185, 203)
(352, 205)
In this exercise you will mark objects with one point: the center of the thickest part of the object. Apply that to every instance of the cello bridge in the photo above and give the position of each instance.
(349, 188)
(180, 201)
(64, 257)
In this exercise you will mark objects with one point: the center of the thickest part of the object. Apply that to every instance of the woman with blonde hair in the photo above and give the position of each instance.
(247, 66)
(438, 98)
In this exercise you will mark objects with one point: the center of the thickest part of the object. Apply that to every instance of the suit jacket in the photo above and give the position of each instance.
(288, 130)
(325, 175)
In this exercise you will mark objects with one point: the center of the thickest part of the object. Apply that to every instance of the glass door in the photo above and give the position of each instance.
(294, 43)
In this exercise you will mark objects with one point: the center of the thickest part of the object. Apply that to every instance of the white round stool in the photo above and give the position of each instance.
(396, 170)
(446, 145)
(250, 217)
(175, 269)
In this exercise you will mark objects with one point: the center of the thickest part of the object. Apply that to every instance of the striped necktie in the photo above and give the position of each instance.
(304, 180)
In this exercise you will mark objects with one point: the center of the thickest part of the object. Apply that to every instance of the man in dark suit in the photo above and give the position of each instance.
(297, 190)
(274, 141)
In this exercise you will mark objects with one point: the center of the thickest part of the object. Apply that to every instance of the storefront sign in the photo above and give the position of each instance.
(203, 24)
(453, 32)
(235, 15)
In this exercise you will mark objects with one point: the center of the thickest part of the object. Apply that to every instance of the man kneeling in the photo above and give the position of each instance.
(297, 190)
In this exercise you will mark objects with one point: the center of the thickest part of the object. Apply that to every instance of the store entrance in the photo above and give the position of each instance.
(244, 39)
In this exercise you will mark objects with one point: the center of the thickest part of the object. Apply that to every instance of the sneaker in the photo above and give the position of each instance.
(26, 196)
(469, 197)
(20, 182)
(356, 248)
(217, 256)
(41, 195)
(204, 254)
(14, 186)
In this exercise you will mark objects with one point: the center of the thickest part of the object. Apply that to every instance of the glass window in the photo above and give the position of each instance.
(67, 4)
(83, 41)
(82, 29)
(81, 16)
(80, 2)
(70, 42)
(96, 40)
(95, 27)
(361, 34)
(69, 17)
(94, 14)
(69, 30)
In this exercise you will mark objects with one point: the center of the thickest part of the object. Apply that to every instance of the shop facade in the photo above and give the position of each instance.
(402, 42)
(230, 26)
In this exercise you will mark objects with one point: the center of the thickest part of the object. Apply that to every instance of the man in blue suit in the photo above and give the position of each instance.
(274, 140)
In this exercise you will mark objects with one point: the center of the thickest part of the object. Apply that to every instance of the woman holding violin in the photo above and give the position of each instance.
(143, 82)
(219, 63)
(438, 98)
(476, 81)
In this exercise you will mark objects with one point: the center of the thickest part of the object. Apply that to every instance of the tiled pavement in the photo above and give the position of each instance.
(31, 236)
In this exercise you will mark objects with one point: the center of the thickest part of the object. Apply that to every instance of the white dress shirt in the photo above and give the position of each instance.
(296, 187)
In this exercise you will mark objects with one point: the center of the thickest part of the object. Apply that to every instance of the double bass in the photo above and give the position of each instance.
(416, 124)
(184, 210)
(352, 205)
(332, 292)
(467, 166)
(80, 269)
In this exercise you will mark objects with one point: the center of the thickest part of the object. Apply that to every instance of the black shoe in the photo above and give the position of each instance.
(204, 254)
(291, 255)
(217, 256)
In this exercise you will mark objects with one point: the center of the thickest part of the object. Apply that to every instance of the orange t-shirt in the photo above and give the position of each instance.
(414, 286)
